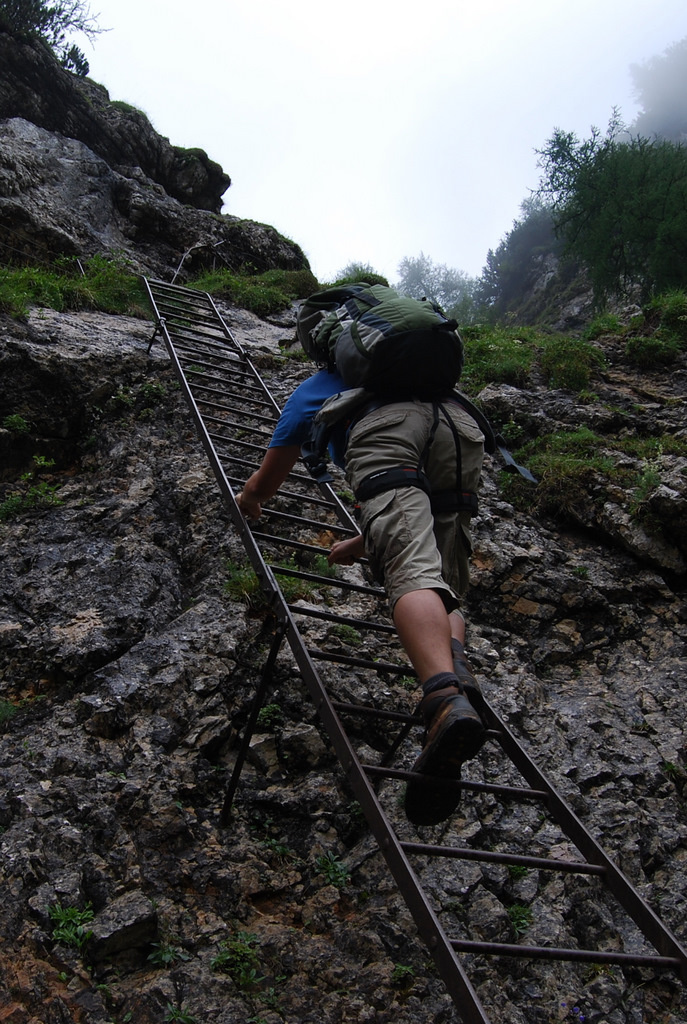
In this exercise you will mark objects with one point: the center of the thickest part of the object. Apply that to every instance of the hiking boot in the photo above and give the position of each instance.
(463, 669)
(454, 734)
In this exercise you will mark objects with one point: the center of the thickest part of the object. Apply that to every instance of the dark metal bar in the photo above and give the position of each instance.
(258, 701)
(233, 440)
(246, 426)
(325, 581)
(491, 857)
(198, 386)
(224, 407)
(510, 792)
(316, 613)
(346, 659)
(594, 956)
(364, 710)
(317, 525)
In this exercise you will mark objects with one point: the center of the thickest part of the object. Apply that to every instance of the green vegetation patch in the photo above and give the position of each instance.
(242, 584)
(671, 309)
(647, 353)
(238, 957)
(511, 355)
(69, 927)
(569, 362)
(107, 285)
(262, 294)
(497, 355)
(579, 470)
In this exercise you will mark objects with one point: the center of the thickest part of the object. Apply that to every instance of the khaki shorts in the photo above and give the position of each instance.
(408, 547)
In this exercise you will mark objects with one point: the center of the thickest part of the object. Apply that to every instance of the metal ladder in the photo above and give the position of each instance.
(234, 414)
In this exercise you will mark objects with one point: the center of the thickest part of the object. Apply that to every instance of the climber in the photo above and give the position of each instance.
(420, 554)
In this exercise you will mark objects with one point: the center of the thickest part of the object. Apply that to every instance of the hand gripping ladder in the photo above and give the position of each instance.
(234, 414)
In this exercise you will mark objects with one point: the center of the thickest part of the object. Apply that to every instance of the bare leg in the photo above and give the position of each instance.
(457, 626)
(425, 629)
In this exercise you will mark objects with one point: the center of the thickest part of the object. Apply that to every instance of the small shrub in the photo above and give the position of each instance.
(496, 355)
(333, 869)
(153, 392)
(69, 928)
(647, 483)
(179, 1015)
(270, 717)
(243, 585)
(164, 954)
(358, 273)
(402, 975)
(349, 634)
(672, 311)
(605, 323)
(520, 918)
(16, 424)
(238, 958)
(569, 362)
(40, 495)
(7, 710)
(646, 353)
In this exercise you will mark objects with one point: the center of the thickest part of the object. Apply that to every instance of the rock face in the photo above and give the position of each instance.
(35, 87)
(81, 176)
(126, 674)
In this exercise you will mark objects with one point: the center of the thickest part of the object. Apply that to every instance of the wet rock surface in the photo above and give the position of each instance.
(126, 675)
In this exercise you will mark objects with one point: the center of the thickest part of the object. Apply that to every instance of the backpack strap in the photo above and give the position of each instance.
(492, 442)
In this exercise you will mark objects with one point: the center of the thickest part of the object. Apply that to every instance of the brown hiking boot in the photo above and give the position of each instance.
(463, 669)
(454, 734)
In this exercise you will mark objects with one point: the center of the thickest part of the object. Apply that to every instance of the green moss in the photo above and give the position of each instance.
(647, 353)
(105, 284)
(262, 294)
(569, 362)
(578, 471)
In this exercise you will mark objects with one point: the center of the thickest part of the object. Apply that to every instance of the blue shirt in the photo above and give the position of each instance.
(293, 426)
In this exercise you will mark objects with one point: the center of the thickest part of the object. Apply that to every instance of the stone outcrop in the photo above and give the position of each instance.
(81, 176)
(35, 87)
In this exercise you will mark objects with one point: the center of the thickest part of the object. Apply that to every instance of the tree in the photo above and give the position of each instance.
(53, 22)
(453, 290)
(516, 265)
(620, 207)
(660, 87)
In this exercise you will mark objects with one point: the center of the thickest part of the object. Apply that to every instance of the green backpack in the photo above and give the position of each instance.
(384, 342)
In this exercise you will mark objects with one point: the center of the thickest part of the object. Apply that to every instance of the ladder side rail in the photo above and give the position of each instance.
(264, 573)
(428, 925)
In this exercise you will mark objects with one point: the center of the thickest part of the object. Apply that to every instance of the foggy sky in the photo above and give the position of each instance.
(370, 132)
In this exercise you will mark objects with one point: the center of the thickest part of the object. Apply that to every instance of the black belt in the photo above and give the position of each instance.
(448, 500)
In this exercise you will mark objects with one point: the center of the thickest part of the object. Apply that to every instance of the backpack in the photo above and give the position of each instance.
(384, 342)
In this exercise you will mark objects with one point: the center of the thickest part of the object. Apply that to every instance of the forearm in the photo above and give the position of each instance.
(266, 481)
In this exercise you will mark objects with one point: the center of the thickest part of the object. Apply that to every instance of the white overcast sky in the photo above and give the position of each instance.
(368, 130)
